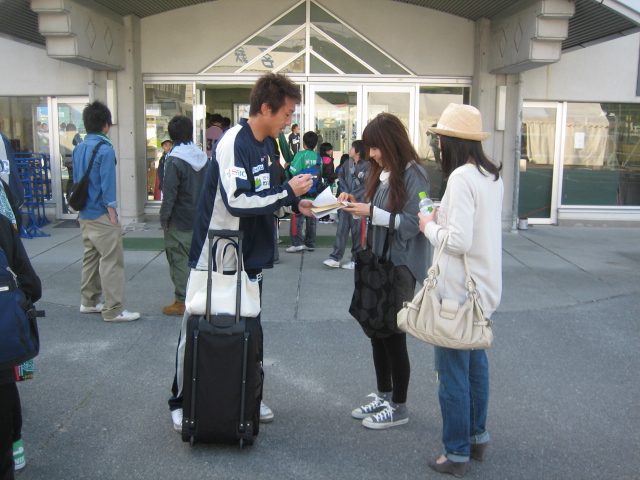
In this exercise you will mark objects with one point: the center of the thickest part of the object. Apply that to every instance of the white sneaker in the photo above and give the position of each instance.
(349, 266)
(331, 263)
(266, 414)
(95, 309)
(176, 416)
(125, 316)
(295, 249)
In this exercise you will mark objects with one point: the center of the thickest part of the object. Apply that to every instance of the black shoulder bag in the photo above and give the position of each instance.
(78, 193)
(373, 303)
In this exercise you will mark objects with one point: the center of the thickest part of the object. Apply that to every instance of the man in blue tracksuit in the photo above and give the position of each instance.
(239, 194)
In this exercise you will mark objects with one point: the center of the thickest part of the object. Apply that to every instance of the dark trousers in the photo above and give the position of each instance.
(309, 238)
(8, 398)
(390, 355)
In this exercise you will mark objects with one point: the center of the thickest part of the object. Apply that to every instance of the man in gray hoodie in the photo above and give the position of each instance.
(184, 171)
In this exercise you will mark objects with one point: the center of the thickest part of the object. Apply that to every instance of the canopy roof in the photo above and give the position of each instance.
(594, 21)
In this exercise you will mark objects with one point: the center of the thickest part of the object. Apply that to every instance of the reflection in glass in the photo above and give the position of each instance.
(602, 155)
(336, 55)
(280, 55)
(162, 102)
(346, 37)
(71, 133)
(254, 47)
(336, 119)
(431, 103)
(536, 163)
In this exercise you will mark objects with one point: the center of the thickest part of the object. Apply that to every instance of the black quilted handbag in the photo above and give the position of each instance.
(373, 303)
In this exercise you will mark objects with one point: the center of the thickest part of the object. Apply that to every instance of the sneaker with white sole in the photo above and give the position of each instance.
(349, 266)
(95, 309)
(331, 263)
(125, 316)
(369, 409)
(388, 417)
(176, 417)
(266, 414)
(295, 248)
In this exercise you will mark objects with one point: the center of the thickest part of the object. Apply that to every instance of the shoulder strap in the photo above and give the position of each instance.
(93, 157)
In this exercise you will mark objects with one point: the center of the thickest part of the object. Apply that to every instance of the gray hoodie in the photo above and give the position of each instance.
(183, 177)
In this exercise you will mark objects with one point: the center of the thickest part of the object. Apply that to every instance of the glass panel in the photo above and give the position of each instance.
(432, 102)
(602, 155)
(318, 66)
(262, 41)
(162, 102)
(295, 66)
(71, 133)
(354, 42)
(536, 162)
(336, 119)
(338, 57)
(280, 55)
(25, 121)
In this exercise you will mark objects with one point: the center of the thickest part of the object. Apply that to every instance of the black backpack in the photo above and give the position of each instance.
(79, 191)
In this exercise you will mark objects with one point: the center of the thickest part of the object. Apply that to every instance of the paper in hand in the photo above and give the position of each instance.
(326, 203)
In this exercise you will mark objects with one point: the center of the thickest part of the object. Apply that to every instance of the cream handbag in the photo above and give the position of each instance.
(446, 323)
(223, 287)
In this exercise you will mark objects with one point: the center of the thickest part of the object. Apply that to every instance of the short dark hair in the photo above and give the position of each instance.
(295, 125)
(310, 140)
(324, 149)
(181, 129)
(95, 116)
(226, 122)
(358, 146)
(272, 89)
(216, 118)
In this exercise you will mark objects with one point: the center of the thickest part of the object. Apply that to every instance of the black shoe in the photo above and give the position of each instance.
(454, 468)
(479, 451)
(311, 249)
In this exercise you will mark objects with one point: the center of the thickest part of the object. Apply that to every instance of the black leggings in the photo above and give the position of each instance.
(390, 356)
(391, 360)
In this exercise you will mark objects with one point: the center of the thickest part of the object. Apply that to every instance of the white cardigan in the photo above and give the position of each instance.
(471, 211)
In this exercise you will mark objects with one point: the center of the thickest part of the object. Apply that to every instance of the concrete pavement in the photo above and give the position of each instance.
(564, 372)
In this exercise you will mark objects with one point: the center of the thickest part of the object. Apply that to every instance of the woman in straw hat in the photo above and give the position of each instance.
(392, 186)
(470, 213)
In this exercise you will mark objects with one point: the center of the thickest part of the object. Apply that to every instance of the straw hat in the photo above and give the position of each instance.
(461, 121)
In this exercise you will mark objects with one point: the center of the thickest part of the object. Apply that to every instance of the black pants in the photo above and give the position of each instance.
(8, 398)
(390, 355)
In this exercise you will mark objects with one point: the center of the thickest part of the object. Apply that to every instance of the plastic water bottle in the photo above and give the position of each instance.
(426, 204)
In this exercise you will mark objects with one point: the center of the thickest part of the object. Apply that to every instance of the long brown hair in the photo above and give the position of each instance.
(387, 133)
(457, 151)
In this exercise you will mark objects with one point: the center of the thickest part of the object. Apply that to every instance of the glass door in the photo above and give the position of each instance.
(66, 132)
(399, 101)
(540, 162)
(334, 113)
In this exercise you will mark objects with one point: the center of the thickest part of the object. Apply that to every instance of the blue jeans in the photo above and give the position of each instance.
(464, 399)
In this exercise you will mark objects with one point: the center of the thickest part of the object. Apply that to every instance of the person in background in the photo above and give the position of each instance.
(103, 260)
(328, 172)
(352, 177)
(392, 187)
(294, 140)
(183, 177)
(304, 159)
(214, 133)
(469, 220)
(226, 124)
(166, 145)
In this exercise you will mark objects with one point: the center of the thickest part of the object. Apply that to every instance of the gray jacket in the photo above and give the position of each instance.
(180, 191)
(352, 178)
(411, 247)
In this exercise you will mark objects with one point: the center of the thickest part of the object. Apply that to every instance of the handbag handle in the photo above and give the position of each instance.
(434, 271)
(388, 241)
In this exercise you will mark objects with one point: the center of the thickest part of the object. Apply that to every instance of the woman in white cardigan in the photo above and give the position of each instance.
(470, 213)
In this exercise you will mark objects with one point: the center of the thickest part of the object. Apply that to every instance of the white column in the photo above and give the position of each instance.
(129, 134)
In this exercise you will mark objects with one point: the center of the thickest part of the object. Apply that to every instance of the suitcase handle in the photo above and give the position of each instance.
(239, 234)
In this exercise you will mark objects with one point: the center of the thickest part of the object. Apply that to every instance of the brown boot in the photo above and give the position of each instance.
(176, 308)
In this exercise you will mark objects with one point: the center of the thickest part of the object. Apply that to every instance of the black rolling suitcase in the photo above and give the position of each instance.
(222, 386)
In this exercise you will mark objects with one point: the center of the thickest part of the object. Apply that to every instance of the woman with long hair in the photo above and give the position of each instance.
(469, 221)
(393, 185)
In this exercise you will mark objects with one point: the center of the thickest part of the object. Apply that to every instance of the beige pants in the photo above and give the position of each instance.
(102, 265)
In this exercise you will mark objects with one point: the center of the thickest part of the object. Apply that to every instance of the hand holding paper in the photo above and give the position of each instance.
(326, 203)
